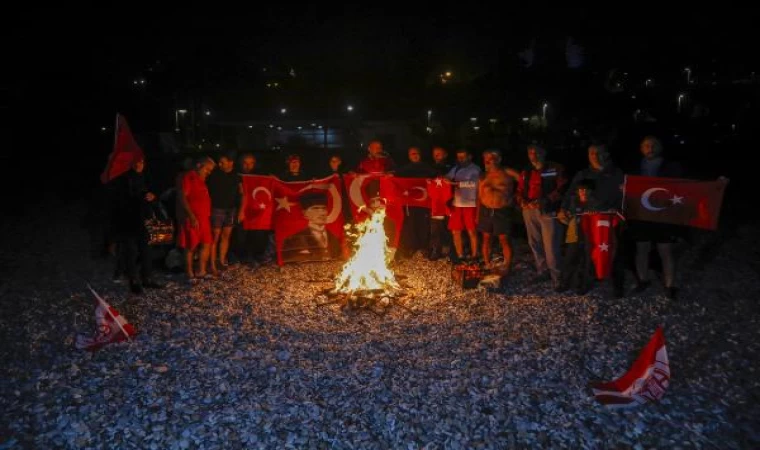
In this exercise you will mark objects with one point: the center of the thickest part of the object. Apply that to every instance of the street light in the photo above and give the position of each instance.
(546, 105)
(349, 108)
(176, 118)
(680, 99)
(283, 110)
(688, 75)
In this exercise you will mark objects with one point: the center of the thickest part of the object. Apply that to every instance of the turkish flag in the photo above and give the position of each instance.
(308, 220)
(368, 192)
(674, 200)
(439, 191)
(392, 193)
(645, 382)
(125, 152)
(600, 236)
(259, 201)
(111, 326)
(410, 191)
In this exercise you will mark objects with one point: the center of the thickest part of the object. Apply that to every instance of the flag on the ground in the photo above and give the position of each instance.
(125, 152)
(674, 201)
(645, 382)
(112, 327)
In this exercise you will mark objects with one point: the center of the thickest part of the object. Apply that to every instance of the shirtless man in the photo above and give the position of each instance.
(496, 200)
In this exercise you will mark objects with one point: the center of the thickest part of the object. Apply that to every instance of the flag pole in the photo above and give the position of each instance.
(105, 305)
(622, 203)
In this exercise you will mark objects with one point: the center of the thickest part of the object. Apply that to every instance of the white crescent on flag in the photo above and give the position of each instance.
(261, 188)
(645, 199)
(424, 194)
(355, 192)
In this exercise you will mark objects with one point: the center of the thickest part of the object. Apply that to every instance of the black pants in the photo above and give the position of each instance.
(250, 245)
(134, 251)
(439, 234)
(577, 269)
(415, 234)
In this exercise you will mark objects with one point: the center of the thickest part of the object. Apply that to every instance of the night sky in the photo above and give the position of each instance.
(68, 74)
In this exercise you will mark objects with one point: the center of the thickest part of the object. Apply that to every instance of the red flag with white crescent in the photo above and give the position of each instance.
(112, 327)
(259, 201)
(368, 192)
(645, 382)
(308, 220)
(673, 200)
(439, 191)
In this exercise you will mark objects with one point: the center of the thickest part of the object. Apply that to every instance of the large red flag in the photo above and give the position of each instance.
(259, 201)
(645, 382)
(674, 201)
(368, 192)
(112, 327)
(308, 220)
(600, 235)
(125, 152)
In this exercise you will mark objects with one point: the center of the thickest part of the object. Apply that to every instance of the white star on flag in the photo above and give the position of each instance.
(262, 206)
(439, 182)
(283, 203)
(604, 247)
(676, 200)
(406, 193)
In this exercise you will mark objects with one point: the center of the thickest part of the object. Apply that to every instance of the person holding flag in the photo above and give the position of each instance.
(608, 180)
(130, 204)
(662, 235)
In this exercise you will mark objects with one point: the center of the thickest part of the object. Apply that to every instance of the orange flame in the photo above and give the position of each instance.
(368, 267)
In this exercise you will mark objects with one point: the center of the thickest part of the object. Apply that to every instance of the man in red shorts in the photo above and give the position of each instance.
(464, 176)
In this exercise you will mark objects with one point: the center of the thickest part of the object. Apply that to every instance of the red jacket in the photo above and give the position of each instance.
(376, 165)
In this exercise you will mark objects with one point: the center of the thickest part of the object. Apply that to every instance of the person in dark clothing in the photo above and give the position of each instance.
(415, 233)
(577, 267)
(336, 167)
(440, 239)
(130, 202)
(294, 171)
(663, 236)
(250, 245)
(224, 187)
(608, 196)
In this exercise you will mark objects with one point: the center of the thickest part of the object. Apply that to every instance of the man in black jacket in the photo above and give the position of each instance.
(130, 207)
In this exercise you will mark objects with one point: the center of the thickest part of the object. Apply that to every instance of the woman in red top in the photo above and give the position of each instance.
(195, 231)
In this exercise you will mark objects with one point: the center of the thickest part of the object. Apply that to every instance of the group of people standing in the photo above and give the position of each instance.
(486, 204)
